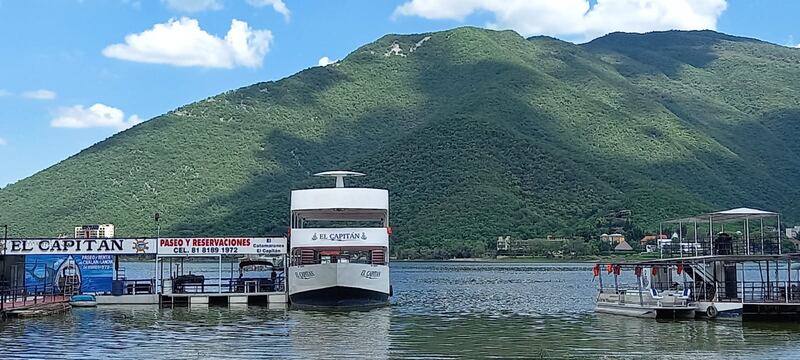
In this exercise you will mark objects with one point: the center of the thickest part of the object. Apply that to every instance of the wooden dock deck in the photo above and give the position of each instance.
(38, 305)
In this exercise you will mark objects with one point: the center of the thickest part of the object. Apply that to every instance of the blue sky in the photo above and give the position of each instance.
(74, 72)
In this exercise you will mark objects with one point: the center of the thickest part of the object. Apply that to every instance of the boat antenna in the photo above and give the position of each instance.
(339, 175)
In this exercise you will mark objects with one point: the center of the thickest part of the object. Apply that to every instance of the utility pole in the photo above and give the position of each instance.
(158, 281)
(3, 257)
(157, 217)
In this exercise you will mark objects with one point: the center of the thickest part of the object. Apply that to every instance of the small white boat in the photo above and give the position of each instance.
(647, 303)
(644, 300)
(83, 300)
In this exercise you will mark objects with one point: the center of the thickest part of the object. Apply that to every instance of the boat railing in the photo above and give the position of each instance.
(643, 297)
(703, 247)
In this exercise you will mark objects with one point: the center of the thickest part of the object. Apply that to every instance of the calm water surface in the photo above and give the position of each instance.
(440, 310)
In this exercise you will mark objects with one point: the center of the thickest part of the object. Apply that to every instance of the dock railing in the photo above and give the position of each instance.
(138, 286)
(23, 296)
(771, 292)
(230, 285)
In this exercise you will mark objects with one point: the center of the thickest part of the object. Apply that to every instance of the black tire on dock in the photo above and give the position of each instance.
(711, 312)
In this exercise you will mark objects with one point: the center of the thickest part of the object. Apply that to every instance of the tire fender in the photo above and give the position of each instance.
(711, 311)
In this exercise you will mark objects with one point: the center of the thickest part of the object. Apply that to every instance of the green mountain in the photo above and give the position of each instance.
(476, 133)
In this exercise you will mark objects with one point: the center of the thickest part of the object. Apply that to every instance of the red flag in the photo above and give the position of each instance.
(610, 268)
(654, 270)
(638, 271)
(680, 268)
(596, 270)
(617, 269)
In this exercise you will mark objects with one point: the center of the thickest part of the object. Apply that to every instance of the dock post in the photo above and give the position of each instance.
(695, 237)
(680, 238)
(762, 236)
(711, 233)
(747, 234)
(779, 235)
(742, 286)
(788, 278)
(639, 275)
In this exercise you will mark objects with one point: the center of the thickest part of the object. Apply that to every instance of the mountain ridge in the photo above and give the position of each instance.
(476, 133)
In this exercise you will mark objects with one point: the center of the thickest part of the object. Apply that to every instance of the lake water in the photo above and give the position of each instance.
(440, 310)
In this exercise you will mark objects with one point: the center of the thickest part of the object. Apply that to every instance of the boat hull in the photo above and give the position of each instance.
(625, 311)
(339, 297)
(83, 303)
(647, 312)
(340, 285)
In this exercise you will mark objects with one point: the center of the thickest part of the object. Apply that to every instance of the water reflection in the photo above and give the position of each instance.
(355, 334)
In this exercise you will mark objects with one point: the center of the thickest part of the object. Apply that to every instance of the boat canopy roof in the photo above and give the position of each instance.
(339, 204)
(707, 258)
(731, 215)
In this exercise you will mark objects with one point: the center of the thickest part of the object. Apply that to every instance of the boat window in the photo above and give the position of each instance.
(332, 256)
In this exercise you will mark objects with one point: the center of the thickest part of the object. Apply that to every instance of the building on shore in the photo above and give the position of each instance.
(546, 246)
(791, 232)
(623, 246)
(615, 238)
(652, 239)
(104, 231)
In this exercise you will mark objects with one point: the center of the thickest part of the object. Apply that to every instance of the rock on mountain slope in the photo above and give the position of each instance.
(477, 133)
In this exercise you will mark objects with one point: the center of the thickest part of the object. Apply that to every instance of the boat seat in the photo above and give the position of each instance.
(654, 294)
(686, 294)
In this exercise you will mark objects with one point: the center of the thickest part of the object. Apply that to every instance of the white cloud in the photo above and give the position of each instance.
(181, 42)
(325, 61)
(191, 6)
(41, 94)
(4, 92)
(575, 17)
(97, 115)
(3, 142)
(277, 5)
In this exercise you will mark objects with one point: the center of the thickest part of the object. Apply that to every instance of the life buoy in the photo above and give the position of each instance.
(711, 312)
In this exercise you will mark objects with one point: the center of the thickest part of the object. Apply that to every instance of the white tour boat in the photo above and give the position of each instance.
(339, 246)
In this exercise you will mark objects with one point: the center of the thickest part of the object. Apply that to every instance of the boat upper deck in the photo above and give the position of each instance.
(688, 260)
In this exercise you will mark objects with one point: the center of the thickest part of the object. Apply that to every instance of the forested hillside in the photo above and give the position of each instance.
(476, 133)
